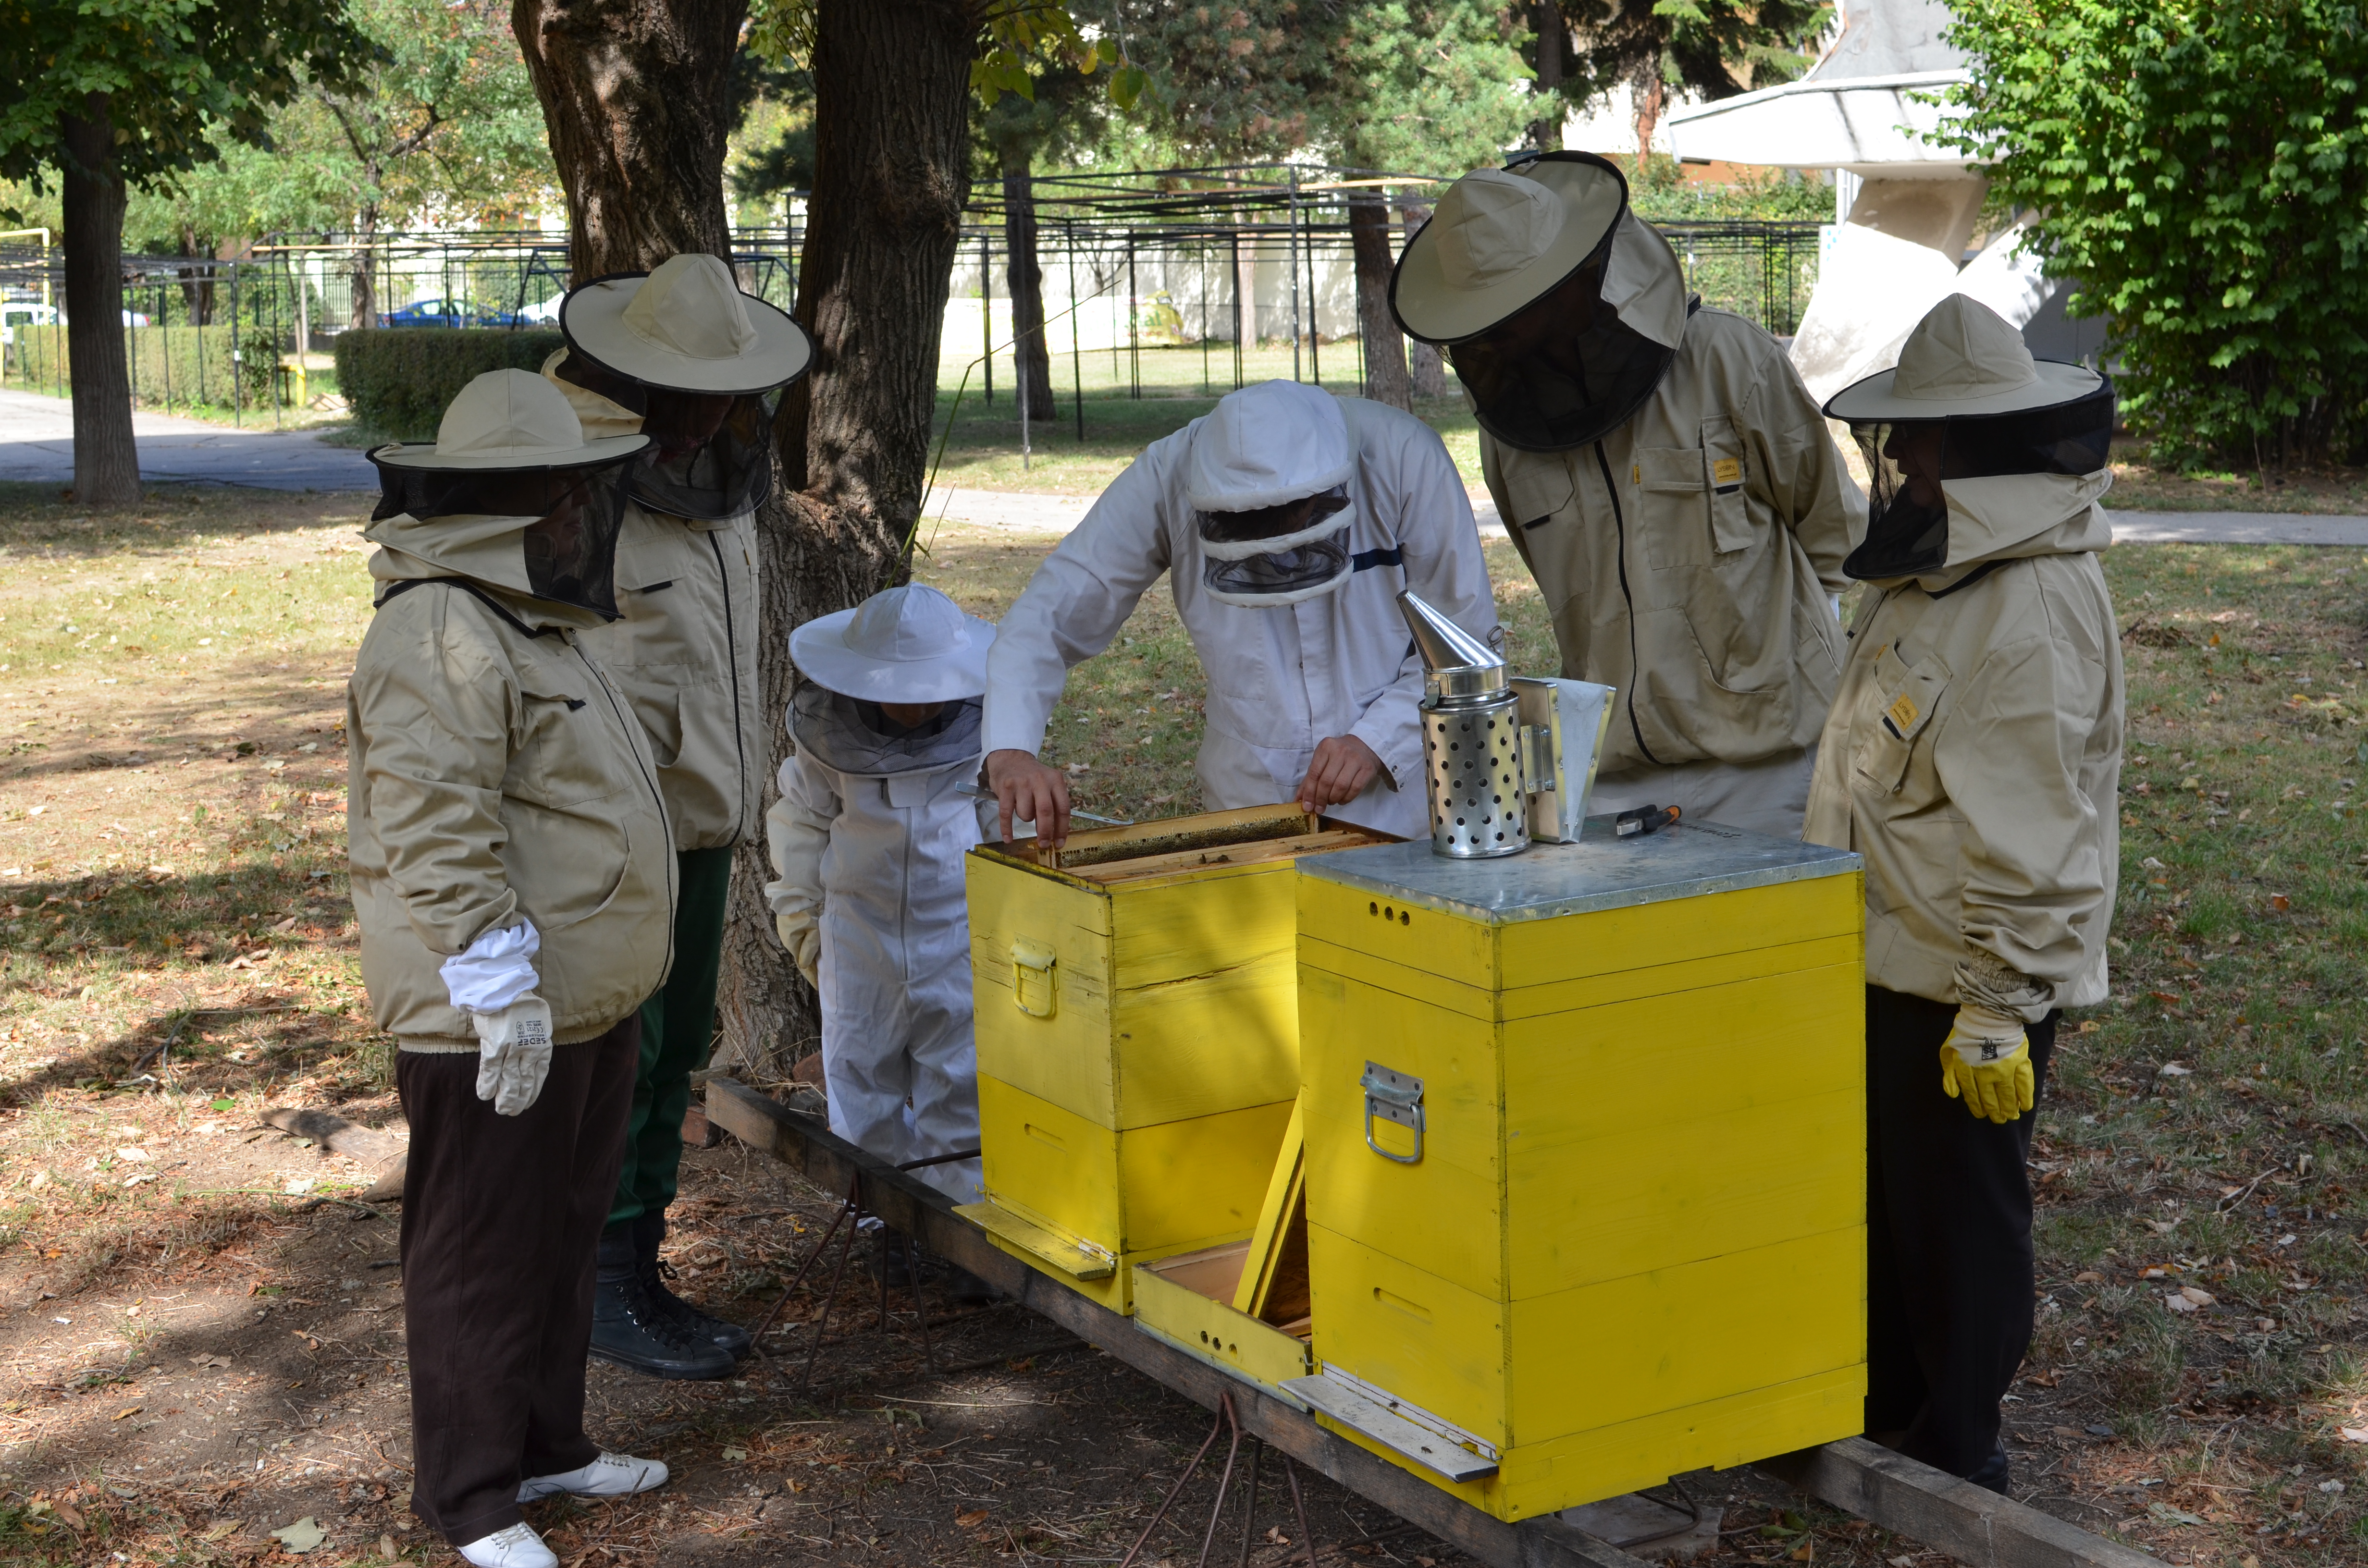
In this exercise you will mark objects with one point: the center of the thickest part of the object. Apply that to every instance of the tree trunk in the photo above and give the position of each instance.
(1652, 97)
(1424, 370)
(107, 462)
(636, 99)
(1030, 351)
(362, 293)
(1545, 133)
(1386, 360)
(892, 114)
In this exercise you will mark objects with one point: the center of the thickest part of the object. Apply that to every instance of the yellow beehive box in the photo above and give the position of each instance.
(1586, 1157)
(1138, 1032)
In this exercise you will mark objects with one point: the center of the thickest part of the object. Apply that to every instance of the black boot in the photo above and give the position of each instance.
(628, 1329)
(648, 1232)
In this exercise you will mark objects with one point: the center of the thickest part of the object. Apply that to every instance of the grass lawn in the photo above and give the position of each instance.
(179, 953)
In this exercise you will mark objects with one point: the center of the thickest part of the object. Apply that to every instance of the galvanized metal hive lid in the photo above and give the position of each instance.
(1684, 860)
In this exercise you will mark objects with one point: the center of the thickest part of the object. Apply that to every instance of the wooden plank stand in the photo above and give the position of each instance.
(1975, 1526)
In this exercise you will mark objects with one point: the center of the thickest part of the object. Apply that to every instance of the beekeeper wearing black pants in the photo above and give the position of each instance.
(1973, 757)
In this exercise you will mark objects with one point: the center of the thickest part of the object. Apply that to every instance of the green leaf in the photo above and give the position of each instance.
(1126, 86)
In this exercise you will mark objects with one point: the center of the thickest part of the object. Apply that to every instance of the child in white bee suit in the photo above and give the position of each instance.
(868, 838)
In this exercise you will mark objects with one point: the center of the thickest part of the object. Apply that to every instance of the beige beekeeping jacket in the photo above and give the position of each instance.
(1685, 557)
(495, 772)
(1973, 755)
(684, 649)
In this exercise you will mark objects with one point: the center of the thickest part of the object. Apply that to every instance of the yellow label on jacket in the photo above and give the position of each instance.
(1903, 713)
(1727, 471)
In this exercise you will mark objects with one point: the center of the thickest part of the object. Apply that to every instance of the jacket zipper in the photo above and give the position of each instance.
(1619, 528)
(739, 740)
(674, 894)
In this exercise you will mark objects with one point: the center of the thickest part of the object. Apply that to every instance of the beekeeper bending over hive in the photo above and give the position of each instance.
(1973, 757)
(1662, 470)
(1288, 520)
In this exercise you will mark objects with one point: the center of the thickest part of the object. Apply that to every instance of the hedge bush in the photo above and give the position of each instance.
(397, 379)
(169, 366)
(2202, 168)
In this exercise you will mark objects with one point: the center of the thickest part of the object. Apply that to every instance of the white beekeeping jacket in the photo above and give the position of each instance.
(1279, 678)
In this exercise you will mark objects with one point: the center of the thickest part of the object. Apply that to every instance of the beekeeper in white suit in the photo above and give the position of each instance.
(1288, 520)
(868, 839)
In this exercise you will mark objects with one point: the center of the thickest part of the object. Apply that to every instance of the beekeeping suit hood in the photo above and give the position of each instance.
(511, 495)
(1559, 308)
(1977, 452)
(1268, 480)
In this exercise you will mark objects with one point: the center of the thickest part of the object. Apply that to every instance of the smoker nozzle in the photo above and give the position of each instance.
(1457, 666)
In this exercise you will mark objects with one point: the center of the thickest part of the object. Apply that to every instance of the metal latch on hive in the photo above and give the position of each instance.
(1393, 1097)
(1035, 978)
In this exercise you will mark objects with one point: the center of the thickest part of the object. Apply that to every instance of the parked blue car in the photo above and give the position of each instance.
(449, 312)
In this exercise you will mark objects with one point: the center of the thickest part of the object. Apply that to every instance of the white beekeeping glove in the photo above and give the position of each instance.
(513, 1053)
(492, 983)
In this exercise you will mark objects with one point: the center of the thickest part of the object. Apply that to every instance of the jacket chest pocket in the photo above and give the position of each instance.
(1896, 708)
(1670, 488)
(1723, 463)
(548, 764)
(1539, 490)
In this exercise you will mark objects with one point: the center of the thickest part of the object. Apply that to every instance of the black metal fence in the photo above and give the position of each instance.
(1224, 260)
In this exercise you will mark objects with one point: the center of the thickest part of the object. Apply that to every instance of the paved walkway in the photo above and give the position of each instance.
(37, 444)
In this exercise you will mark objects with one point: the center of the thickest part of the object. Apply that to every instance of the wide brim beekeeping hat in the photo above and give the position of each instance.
(904, 645)
(1962, 360)
(1500, 240)
(686, 326)
(508, 421)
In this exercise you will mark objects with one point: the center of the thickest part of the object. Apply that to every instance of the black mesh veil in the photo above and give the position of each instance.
(712, 475)
(568, 520)
(1908, 461)
(1563, 371)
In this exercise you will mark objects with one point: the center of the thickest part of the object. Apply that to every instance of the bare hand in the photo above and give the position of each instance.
(1342, 766)
(1027, 791)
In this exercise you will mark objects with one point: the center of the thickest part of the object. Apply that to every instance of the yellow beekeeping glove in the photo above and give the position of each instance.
(801, 938)
(1985, 1061)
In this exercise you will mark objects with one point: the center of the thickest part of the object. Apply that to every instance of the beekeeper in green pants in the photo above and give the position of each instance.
(682, 355)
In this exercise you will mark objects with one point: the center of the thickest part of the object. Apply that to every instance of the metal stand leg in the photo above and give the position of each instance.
(822, 1324)
(1217, 1510)
(1299, 1508)
(757, 1336)
(1249, 1510)
(1224, 1418)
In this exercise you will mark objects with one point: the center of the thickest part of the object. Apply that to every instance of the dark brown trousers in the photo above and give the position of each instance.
(501, 1216)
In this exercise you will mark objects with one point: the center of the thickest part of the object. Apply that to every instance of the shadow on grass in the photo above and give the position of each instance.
(37, 516)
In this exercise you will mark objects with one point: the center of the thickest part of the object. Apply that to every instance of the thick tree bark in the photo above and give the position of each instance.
(1424, 368)
(107, 463)
(635, 99)
(1031, 351)
(1546, 130)
(892, 104)
(1386, 360)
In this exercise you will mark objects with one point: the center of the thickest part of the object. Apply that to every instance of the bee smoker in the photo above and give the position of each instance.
(1509, 758)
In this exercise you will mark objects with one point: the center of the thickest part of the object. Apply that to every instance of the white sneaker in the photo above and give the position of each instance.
(516, 1547)
(611, 1475)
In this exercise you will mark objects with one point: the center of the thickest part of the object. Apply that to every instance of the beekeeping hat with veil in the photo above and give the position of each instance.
(1969, 438)
(511, 492)
(1268, 482)
(682, 354)
(1560, 309)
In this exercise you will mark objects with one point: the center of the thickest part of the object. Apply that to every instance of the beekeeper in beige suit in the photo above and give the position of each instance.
(682, 355)
(1973, 757)
(515, 885)
(1663, 472)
